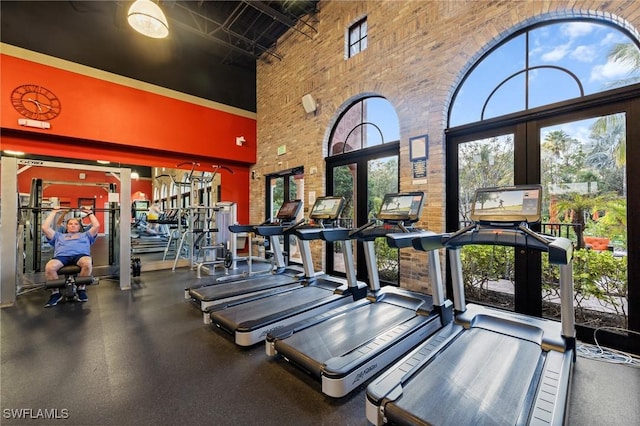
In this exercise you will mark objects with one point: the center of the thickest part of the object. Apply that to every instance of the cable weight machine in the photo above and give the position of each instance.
(203, 227)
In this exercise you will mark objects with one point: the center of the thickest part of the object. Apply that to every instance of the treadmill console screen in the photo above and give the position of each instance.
(404, 207)
(141, 205)
(508, 204)
(327, 208)
(289, 210)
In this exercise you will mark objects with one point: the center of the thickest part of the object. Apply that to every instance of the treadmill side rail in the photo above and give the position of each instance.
(550, 405)
(341, 378)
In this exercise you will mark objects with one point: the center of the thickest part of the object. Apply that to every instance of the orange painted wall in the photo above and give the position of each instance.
(98, 110)
(108, 121)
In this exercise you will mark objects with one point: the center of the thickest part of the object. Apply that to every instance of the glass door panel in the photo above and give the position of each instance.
(488, 271)
(362, 178)
(284, 188)
(583, 172)
(382, 178)
(344, 185)
(296, 192)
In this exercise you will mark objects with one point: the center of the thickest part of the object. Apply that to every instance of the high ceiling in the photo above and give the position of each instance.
(211, 51)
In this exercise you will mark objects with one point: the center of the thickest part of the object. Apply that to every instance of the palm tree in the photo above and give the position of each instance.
(609, 132)
(557, 148)
(557, 142)
(580, 205)
(626, 54)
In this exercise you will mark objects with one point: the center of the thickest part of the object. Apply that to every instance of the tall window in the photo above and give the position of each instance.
(363, 166)
(357, 38)
(564, 108)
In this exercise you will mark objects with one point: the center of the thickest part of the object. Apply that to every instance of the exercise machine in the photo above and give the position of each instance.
(489, 366)
(250, 321)
(34, 249)
(68, 286)
(282, 276)
(212, 245)
(248, 232)
(347, 346)
(199, 232)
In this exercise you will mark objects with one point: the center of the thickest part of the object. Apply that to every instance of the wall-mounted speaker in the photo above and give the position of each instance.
(309, 104)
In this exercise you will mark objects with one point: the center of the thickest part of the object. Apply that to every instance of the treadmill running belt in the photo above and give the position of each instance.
(264, 311)
(481, 379)
(233, 288)
(343, 333)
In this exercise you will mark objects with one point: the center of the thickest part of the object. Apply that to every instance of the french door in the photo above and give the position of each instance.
(362, 178)
(579, 155)
(281, 187)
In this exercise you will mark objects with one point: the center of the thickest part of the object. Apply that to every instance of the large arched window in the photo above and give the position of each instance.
(362, 165)
(543, 65)
(366, 123)
(558, 104)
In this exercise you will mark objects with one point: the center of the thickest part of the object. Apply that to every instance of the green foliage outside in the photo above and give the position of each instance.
(388, 262)
(278, 193)
(483, 264)
(383, 179)
(598, 276)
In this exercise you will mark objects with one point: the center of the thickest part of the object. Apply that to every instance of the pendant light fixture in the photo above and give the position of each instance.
(147, 18)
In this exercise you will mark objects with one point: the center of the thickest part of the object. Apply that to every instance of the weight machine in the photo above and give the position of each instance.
(31, 244)
(204, 236)
(15, 212)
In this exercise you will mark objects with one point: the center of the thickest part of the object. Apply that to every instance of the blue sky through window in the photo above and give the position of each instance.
(383, 114)
(581, 47)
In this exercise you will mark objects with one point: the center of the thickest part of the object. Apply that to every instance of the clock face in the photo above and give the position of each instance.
(35, 102)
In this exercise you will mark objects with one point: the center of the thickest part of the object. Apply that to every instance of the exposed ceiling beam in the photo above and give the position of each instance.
(273, 13)
(207, 27)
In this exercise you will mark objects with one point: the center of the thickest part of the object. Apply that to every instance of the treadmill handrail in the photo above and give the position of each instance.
(560, 248)
(406, 238)
(293, 226)
(353, 233)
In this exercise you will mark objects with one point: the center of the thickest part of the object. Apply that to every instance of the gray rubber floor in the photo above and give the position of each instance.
(144, 357)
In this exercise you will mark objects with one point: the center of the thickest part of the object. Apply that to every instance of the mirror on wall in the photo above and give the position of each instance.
(174, 213)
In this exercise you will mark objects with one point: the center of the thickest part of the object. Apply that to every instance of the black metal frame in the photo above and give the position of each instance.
(525, 126)
(360, 158)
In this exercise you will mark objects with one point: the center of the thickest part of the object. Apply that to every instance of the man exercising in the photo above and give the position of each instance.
(70, 248)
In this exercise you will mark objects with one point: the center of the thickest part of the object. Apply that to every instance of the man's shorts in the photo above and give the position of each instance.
(70, 260)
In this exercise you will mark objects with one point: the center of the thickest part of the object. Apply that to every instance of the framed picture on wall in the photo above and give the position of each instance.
(418, 154)
(418, 148)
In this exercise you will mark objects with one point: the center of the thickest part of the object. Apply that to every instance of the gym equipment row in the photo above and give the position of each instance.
(275, 280)
(493, 366)
(423, 354)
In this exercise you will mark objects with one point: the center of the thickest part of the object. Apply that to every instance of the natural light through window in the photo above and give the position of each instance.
(368, 122)
(544, 65)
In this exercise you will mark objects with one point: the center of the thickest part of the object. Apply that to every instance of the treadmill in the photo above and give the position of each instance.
(250, 320)
(490, 366)
(281, 278)
(348, 346)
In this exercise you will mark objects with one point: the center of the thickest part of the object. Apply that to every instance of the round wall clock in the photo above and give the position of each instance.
(35, 102)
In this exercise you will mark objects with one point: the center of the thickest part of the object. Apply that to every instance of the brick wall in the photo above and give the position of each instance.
(417, 53)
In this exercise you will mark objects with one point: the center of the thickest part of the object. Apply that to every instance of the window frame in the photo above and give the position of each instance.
(362, 39)
(528, 68)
